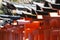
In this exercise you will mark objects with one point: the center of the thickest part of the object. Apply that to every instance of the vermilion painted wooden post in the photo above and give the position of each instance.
(1, 38)
(54, 23)
(30, 27)
(8, 33)
(21, 26)
(11, 32)
(36, 34)
(4, 35)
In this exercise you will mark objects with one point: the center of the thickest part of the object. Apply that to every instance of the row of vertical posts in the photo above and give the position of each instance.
(34, 30)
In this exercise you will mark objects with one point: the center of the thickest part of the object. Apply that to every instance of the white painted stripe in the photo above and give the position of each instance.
(26, 13)
(4, 3)
(54, 14)
(51, 1)
(39, 16)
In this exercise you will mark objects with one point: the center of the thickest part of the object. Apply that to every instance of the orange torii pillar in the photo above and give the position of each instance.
(21, 23)
(41, 30)
(12, 32)
(30, 28)
(55, 29)
(4, 32)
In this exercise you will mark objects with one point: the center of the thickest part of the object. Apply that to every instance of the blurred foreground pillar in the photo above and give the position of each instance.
(0, 3)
